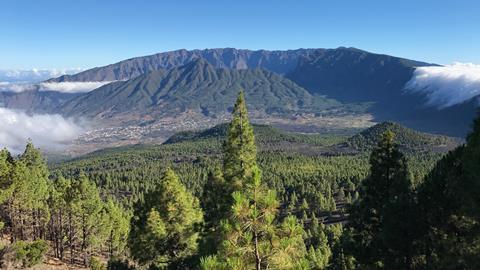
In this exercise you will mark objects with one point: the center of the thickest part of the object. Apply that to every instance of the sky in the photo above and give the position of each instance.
(85, 34)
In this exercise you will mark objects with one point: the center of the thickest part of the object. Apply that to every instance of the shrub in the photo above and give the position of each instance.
(96, 264)
(30, 253)
(118, 264)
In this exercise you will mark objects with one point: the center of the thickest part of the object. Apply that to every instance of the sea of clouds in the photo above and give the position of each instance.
(27, 80)
(47, 131)
(447, 85)
(64, 87)
(34, 74)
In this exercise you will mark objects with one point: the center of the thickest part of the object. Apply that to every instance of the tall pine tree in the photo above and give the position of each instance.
(448, 201)
(165, 229)
(380, 231)
(252, 239)
(240, 152)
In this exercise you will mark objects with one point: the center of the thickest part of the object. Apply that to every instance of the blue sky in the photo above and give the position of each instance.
(65, 34)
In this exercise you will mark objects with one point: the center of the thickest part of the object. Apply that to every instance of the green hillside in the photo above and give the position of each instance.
(265, 135)
(197, 88)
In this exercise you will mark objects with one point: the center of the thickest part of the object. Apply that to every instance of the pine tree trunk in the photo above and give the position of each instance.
(111, 244)
(258, 260)
(84, 241)
(60, 232)
(34, 225)
(70, 237)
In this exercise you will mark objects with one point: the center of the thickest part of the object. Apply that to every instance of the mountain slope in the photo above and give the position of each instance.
(276, 61)
(352, 75)
(34, 101)
(349, 74)
(196, 88)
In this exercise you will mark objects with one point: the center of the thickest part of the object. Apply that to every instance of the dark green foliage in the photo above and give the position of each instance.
(251, 239)
(471, 165)
(216, 204)
(448, 204)
(382, 212)
(118, 264)
(441, 229)
(96, 264)
(26, 190)
(214, 200)
(315, 177)
(30, 253)
(165, 228)
(239, 150)
(408, 140)
(289, 162)
(68, 213)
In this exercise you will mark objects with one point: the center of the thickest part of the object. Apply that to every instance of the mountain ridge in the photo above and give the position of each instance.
(278, 61)
(339, 76)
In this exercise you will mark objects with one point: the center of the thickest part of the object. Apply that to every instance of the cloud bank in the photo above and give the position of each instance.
(27, 80)
(71, 87)
(64, 87)
(447, 85)
(50, 132)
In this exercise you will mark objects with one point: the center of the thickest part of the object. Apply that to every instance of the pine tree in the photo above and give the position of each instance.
(165, 229)
(118, 228)
(215, 198)
(6, 177)
(317, 243)
(381, 239)
(6, 170)
(86, 217)
(59, 207)
(447, 220)
(26, 206)
(251, 237)
(471, 168)
(240, 152)
(216, 203)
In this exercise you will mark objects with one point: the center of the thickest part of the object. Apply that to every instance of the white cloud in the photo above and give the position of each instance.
(34, 75)
(50, 132)
(17, 87)
(65, 87)
(447, 85)
(71, 87)
(27, 80)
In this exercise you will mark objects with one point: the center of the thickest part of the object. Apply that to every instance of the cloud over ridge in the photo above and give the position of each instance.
(447, 85)
(64, 87)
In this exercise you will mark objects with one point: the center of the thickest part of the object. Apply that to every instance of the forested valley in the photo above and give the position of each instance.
(243, 196)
